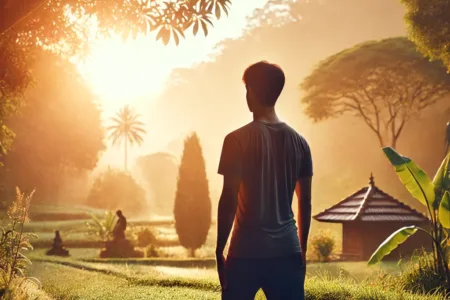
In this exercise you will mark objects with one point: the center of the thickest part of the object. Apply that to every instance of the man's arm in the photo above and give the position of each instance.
(303, 191)
(227, 211)
(230, 166)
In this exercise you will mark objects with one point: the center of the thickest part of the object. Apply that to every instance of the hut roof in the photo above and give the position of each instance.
(370, 204)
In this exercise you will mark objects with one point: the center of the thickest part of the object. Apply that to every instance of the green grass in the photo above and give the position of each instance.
(145, 282)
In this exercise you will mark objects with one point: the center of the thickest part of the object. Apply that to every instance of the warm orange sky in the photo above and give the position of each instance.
(134, 72)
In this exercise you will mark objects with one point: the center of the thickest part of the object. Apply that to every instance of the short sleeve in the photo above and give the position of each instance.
(306, 166)
(231, 157)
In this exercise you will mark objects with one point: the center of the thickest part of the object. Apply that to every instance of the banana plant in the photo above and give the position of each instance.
(435, 196)
(102, 228)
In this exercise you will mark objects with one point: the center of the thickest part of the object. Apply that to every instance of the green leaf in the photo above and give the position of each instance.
(444, 210)
(392, 242)
(412, 176)
(442, 178)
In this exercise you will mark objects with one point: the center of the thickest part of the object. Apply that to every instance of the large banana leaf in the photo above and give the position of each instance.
(444, 210)
(412, 176)
(392, 242)
(442, 178)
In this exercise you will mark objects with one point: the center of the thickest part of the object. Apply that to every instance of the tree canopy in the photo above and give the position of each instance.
(69, 26)
(159, 171)
(386, 83)
(58, 130)
(115, 189)
(429, 27)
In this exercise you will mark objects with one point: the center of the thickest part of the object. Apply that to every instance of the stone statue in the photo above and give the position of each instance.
(120, 227)
(58, 248)
(120, 246)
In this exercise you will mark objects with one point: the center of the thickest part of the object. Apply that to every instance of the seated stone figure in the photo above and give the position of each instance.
(120, 246)
(121, 226)
(58, 248)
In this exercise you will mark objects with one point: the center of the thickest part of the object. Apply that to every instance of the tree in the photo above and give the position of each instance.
(192, 209)
(58, 131)
(66, 27)
(127, 128)
(429, 27)
(115, 189)
(159, 171)
(386, 83)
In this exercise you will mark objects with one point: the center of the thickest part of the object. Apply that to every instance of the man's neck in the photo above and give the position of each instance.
(266, 115)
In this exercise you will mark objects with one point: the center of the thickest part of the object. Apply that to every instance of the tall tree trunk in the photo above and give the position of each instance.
(126, 154)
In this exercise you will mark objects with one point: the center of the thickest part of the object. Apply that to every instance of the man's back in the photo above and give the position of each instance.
(272, 158)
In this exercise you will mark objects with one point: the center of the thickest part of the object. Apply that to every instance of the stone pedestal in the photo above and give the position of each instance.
(122, 248)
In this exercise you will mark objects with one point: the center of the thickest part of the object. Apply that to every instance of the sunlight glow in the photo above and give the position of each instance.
(135, 71)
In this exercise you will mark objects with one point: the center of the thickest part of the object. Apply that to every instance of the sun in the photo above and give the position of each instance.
(121, 71)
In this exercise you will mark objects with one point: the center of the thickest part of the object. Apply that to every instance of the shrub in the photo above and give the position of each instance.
(192, 209)
(145, 238)
(13, 242)
(323, 245)
(421, 276)
(115, 189)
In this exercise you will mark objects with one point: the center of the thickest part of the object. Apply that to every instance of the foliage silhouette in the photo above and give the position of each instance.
(385, 83)
(429, 27)
(60, 121)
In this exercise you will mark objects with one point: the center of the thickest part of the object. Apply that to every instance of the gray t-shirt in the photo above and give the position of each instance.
(269, 158)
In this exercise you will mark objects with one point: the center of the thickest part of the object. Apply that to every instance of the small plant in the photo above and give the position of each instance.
(13, 241)
(152, 251)
(323, 245)
(435, 196)
(145, 238)
(102, 228)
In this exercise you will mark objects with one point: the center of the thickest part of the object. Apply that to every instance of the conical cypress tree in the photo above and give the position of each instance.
(192, 209)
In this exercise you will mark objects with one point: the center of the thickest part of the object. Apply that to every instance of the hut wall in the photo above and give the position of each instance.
(376, 233)
(351, 240)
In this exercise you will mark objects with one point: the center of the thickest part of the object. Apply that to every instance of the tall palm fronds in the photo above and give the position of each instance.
(126, 128)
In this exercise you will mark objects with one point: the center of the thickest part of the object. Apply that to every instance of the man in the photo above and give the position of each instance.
(262, 164)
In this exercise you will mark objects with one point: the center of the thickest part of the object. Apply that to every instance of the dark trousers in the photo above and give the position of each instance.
(281, 278)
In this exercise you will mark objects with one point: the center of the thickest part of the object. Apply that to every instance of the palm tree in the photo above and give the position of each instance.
(126, 128)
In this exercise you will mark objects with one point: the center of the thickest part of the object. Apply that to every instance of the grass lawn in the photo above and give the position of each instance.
(146, 282)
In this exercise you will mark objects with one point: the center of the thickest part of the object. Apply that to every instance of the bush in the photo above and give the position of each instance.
(115, 189)
(145, 238)
(192, 210)
(323, 245)
(421, 276)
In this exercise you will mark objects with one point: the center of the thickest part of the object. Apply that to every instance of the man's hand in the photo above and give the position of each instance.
(221, 270)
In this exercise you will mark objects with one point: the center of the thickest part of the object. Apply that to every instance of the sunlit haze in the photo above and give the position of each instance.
(134, 72)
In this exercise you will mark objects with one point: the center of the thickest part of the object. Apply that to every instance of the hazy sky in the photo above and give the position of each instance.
(134, 72)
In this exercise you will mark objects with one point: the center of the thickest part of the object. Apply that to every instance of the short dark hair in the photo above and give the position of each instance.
(266, 80)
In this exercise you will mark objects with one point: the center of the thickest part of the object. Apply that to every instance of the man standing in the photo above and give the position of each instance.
(262, 164)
